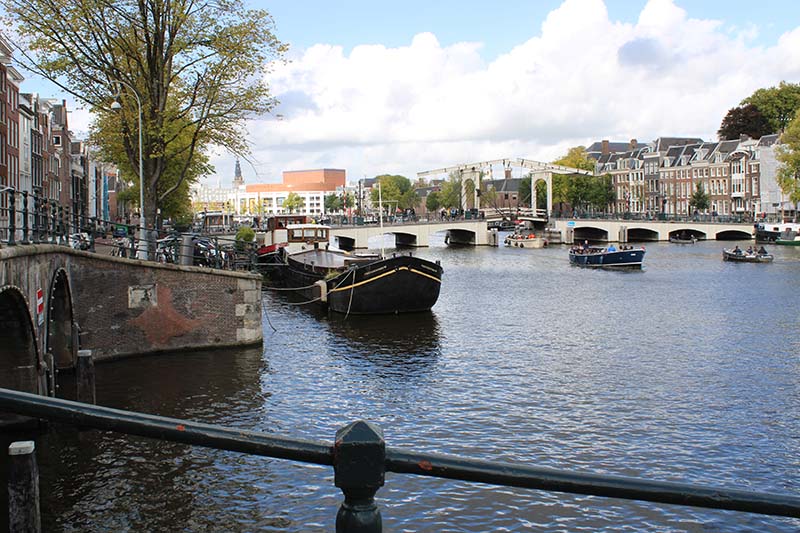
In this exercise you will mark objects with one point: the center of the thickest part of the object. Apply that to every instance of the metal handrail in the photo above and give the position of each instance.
(396, 459)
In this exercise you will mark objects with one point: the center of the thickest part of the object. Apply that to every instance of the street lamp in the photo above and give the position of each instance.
(116, 106)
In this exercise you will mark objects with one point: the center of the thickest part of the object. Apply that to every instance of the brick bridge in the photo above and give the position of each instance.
(54, 300)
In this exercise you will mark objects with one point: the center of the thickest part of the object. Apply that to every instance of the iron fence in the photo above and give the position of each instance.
(360, 459)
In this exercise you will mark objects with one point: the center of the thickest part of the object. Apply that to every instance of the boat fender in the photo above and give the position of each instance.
(321, 291)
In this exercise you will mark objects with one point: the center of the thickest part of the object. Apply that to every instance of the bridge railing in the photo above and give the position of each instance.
(30, 219)
(360, 459)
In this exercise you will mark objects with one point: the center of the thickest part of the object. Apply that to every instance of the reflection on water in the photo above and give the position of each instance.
(687, 371)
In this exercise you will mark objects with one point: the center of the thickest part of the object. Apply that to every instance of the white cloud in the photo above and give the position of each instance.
(580, 77)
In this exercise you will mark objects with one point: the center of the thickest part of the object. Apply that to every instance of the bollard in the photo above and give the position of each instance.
(187, 251)
(359, 466)
(23, 488)
(85, 377)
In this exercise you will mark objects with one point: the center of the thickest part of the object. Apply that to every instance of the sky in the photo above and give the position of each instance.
(403, 87)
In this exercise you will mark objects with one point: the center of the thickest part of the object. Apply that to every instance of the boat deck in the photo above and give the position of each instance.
(329, 259)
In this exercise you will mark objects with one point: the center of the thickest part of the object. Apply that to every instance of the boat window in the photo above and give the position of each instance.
(309, 233)
(297, 234)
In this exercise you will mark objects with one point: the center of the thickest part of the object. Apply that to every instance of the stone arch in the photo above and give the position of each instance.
(61, 341)
(19, 357)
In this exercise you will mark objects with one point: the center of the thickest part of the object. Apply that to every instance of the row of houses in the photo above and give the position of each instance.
(738, 176)
(40, 156)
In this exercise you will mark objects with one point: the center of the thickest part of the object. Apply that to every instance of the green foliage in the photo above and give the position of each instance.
(489, 197)
(699, 200)
(524, 192)
(577, 157)
(197, 69)
(746, 120)
(293, 201)
(778, 104)
(450, 195)
(788, 153)
(245, 234)
(396, 192)
(333, 203)
(432, 202)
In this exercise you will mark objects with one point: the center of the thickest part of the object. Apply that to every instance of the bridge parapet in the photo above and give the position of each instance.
(123, 306)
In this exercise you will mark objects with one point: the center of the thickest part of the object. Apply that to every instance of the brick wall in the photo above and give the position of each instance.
(126, 307)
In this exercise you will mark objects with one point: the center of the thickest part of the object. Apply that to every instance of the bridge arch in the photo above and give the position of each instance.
(589, 233)
(688, 232)
(60, 341)
(19, 357)
(642, 235)
(733, 235)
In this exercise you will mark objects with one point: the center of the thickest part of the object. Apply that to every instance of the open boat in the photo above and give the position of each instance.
(527, 234)
(683, 239)
(749, 256)
(611, 257)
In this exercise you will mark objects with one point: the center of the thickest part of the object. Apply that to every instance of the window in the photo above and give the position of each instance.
(57, 140)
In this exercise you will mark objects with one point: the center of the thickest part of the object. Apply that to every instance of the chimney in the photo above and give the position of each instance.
(604, 150)
(633, 144)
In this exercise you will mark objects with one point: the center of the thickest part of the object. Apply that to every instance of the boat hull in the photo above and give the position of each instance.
(598, 258)
(534, 242)
(742, 257)
(398, 284)
(787, 242)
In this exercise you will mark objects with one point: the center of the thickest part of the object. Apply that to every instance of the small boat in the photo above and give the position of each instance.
(364, 284)
(532, 240)
(748, 256)
(683, 239)
(589, 256)
(529, 233)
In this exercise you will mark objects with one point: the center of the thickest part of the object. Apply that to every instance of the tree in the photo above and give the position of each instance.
(395, 191)
(577, 157)
(333, 202)
(450, 194)
(746, 120)
(524, 191)
(778, 104)
(601, 192)
(788, 153)
(699, 200)
(198, 70)
(293, 201)
(432, 202)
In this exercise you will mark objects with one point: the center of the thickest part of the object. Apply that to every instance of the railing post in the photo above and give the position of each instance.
(12, 217)
(359, 465)
(92, 232)
(25, 218)
(23, 488)
(35, 228)
(60, 225)
(54, 228)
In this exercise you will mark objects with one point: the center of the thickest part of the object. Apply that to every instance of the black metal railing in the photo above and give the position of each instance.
(360, 459)
(31, 219)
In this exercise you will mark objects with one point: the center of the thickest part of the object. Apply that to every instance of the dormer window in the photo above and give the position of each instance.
(57, 140)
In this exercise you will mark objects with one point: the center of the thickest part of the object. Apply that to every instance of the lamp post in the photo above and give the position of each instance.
(117, 106)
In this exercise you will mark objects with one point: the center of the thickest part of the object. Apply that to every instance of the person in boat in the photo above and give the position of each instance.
(737, 250)
(612, 248)
(585, 246)
(762, 251)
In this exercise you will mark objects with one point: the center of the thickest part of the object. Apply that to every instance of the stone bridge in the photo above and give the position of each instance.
(55, 300)
(578, 230)
(469, 232)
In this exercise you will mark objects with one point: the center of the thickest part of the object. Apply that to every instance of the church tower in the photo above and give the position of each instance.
(238, 180)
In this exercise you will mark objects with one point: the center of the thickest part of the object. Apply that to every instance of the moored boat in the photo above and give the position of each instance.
(789, 240)
(774, 231)
(626, 257)
(747, 256)
(364, 285)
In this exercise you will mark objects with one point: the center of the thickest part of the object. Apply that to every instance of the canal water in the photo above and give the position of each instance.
(688, 371)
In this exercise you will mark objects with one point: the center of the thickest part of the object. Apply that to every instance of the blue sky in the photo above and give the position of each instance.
(402, 87)
(499, 25)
